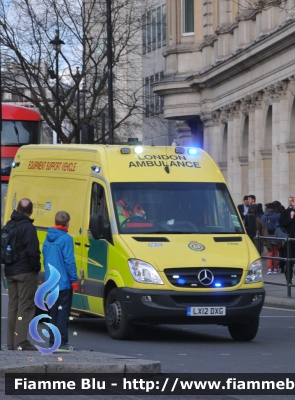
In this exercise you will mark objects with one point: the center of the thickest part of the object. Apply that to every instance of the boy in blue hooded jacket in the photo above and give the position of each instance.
(58, 250)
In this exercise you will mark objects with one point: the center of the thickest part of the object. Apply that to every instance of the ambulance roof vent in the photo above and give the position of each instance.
(179, 150)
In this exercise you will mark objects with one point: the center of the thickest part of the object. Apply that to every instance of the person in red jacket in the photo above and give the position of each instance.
(128, 206)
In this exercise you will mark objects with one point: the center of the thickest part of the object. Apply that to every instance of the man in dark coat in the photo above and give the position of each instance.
(287, 221)
(243, 208)
(22, 279)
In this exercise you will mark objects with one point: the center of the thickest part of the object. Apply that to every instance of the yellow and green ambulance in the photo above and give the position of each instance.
(185, 258)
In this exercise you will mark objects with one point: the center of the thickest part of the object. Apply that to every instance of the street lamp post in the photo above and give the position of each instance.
(77, 79)
(84, 91)
(56, 43)
(110, 71)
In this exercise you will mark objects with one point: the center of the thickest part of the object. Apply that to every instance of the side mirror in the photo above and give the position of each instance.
(250, 225)
(96, 226)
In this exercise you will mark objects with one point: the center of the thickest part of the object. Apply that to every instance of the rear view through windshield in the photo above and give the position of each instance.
(175, 208)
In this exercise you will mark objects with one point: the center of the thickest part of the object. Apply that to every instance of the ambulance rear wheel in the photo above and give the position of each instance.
(118, 325)
(244, 332)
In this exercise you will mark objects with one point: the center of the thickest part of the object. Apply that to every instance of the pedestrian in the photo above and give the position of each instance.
(277, 204)
(282, 249)
(252, 202)
(243, 208)
(260, 231)
(290, 198)
(271, 221)
(22, 278)
(58, 251)
(287, 221)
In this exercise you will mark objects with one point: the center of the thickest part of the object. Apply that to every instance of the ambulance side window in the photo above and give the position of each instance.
(99, 206)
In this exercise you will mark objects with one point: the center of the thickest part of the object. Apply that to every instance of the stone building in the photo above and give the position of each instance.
(229, 85)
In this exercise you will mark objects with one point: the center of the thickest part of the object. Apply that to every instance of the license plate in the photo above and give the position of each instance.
(205, 311)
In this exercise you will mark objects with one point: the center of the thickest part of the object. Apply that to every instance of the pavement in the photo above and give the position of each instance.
(81, 361)
(94, 362)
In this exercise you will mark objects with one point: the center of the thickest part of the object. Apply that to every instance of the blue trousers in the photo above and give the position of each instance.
(60, 313)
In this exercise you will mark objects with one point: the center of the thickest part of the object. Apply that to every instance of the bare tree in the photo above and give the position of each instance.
(27, 28)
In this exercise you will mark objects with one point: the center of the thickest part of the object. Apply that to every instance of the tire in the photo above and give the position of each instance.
(118, 325)
(244, 332)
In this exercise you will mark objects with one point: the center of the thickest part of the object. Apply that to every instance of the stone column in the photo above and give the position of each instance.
(248, 108)
(215, 145)
(285, 96)
(258, 177)
(273, 95)
(236, 145)
(184, 133)
(230, 138)
(208, 133)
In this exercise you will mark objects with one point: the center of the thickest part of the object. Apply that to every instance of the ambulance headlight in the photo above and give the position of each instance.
(255, 272)
(143, 272)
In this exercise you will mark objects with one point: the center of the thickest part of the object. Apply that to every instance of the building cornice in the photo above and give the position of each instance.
(244, 160)
(168, 88)
(208, 41)
(226, 28)
(248, 14)
(290, 147)
(265, 154)
(182, 48)
(247, 58)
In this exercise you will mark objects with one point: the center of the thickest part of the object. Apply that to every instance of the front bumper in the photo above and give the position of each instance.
(170, 307)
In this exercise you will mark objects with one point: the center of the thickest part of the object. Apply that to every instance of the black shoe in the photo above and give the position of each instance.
(30, 347)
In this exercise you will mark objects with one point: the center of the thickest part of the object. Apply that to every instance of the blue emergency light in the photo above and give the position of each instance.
(192, 151)
(95, 169)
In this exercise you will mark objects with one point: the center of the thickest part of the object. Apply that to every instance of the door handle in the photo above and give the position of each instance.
(78, 243)
(87, 245)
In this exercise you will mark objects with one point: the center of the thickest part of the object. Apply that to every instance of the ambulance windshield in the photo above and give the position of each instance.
(175, 208)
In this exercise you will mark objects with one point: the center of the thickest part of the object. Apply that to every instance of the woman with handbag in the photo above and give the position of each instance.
(287, 221)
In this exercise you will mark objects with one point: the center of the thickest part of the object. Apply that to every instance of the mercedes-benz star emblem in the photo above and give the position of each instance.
(206, 277)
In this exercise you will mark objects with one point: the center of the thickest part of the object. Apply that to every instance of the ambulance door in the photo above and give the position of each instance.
(95, 252)
(69, 196)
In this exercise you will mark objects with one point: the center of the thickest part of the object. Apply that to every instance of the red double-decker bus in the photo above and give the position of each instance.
(20, 125)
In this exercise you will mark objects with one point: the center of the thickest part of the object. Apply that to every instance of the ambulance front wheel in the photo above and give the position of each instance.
(119, 327)
(244, 332)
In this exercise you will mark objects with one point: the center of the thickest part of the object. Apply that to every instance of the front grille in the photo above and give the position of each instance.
(212, 300)
(209, 277)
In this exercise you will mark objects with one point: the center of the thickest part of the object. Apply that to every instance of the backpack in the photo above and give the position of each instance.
(270, 221)
(9, 236)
